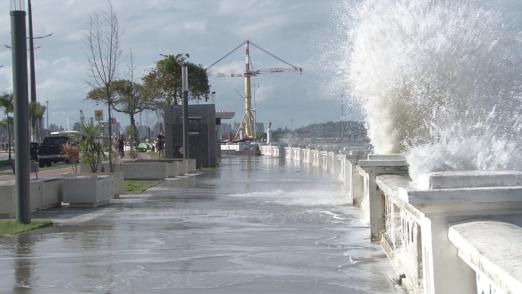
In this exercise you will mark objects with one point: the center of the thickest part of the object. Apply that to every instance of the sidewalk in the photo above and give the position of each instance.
(249, 226)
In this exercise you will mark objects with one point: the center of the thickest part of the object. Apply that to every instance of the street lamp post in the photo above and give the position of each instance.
(342, 117)
(21, 114)
(185, 110)
(47, 112)
(31, 54)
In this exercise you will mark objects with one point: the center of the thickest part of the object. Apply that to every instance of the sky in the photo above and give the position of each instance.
(299, 31)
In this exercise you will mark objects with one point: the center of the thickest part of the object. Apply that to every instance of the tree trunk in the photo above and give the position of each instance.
(132, 135)
(9, 138)
(111, 169)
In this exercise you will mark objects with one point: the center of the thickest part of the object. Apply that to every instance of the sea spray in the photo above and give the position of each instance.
(440, 81)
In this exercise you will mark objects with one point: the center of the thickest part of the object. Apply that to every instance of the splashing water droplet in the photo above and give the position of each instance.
(439, 81)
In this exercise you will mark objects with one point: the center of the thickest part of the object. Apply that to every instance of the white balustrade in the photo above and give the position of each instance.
(412, 222)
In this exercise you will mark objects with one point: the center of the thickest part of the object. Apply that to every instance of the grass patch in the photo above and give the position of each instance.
(138, 187)
(9, 227)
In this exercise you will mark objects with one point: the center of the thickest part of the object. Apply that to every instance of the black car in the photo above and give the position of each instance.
(51, 150)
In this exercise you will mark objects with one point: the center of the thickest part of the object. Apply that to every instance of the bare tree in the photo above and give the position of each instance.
(128, 97)
(104, 55)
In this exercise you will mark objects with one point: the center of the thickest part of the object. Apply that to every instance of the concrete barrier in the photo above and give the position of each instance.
(144, 170)
(118, 186)
(45, 193)
(149, 169)
(173, 167)
(50, 193)
(88, 190)
(7, 199)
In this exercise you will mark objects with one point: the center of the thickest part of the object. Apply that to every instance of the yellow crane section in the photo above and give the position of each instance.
(246, 130)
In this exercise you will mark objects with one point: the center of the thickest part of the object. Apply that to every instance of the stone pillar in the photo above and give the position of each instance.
(355, 180)
(330, 156)
(341, 173)
(288, 154)
(373, 201)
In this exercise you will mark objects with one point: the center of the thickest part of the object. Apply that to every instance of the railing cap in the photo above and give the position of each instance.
(494, 248)
(469, 179)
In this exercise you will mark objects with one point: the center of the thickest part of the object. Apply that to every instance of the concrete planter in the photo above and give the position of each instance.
(45, 194)
(50, 193)
(118, 183)
(88, 190)
(191, 165)
(7, 199)
(144, 170)
(174, 167)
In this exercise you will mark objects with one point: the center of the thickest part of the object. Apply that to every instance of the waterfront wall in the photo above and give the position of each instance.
(440, 233)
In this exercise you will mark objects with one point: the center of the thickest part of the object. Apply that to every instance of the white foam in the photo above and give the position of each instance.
(299, 197)
(439, 81)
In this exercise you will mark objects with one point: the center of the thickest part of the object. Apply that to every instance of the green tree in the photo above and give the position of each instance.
(164, 81)
(7, 103)
(36, 113)
(128, 98)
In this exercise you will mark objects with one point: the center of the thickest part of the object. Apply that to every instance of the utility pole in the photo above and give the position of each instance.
(22, 164)
(140, 135)
(34, 124)
(342, 117)
(31, 55)
(47, 110)
(185, 110)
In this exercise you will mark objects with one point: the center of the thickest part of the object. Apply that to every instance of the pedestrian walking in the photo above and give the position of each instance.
(121, 147)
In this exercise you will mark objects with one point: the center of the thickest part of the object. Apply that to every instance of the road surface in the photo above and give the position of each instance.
(250, 226)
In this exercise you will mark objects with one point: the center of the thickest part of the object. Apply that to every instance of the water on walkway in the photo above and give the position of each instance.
(251, 226)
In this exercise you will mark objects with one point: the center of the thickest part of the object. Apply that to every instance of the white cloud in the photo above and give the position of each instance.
(206, 29)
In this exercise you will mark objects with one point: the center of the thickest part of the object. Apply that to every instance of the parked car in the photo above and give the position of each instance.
(51, 150)
(142, 147)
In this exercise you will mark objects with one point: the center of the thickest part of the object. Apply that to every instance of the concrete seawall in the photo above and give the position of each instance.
(433, 231)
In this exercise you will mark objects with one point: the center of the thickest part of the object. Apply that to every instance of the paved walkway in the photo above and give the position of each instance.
(251, 226)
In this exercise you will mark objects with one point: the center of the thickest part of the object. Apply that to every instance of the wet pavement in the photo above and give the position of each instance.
(250, 226)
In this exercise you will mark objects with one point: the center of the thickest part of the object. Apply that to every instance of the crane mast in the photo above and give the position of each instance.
(246, 129)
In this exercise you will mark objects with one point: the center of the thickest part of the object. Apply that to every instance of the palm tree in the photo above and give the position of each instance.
(6, 102)
(36, 113)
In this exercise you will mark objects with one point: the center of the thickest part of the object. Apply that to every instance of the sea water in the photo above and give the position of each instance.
(440, 81)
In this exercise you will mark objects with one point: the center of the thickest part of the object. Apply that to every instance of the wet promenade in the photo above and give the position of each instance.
(251, 226)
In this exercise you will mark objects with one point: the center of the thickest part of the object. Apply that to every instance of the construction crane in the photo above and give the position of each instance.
(246, 130)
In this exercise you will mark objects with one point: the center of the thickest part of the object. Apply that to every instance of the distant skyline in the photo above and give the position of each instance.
(298, 31)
